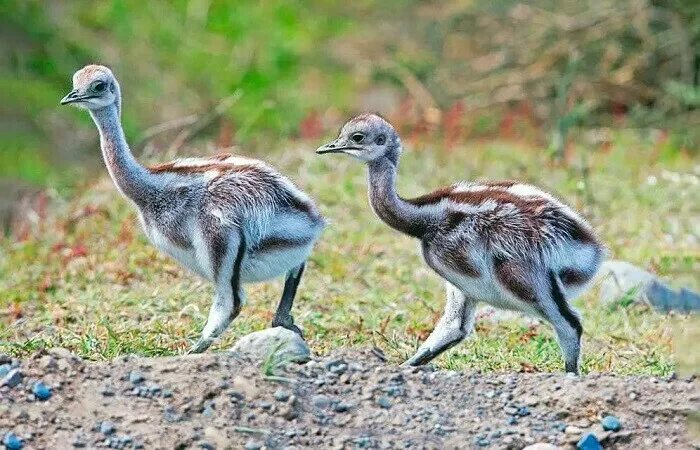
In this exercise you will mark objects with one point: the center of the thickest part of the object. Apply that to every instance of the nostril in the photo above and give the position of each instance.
(331, 145)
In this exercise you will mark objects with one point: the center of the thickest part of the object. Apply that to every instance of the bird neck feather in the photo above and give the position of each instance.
(130, 177)
(388, 205)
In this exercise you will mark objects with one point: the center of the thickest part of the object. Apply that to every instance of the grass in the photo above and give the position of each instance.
(87, 279)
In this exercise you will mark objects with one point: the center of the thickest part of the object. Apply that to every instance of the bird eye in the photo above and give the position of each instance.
(357, 137)
(380, 140)
(99, 86)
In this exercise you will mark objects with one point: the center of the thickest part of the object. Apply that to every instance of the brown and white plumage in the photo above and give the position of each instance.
(227, 218)
(504, 243)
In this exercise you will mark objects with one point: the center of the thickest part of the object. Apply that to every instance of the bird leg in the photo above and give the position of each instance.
(456, 322)
(227, 302)
(283, 316)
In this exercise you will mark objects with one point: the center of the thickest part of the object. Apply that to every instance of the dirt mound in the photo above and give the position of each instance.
(347, 400)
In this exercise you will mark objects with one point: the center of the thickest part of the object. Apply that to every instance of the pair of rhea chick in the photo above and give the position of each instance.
(234, 220)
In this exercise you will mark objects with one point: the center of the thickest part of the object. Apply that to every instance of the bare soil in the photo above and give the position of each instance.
(346, 400)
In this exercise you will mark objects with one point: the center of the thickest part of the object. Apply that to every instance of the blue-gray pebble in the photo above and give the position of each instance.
(41, 391)
(611, 423)
(12, 442)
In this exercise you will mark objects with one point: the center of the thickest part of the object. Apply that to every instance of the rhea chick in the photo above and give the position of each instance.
(227, 218)
(504, 243)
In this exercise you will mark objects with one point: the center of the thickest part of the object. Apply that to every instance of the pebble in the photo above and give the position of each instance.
(611, 423)
(253, 445)
(589, 442)
(12, 379)
(343, 406)
(384, 402)
(4, 370)
(541, 446)
(107, 427)
(523, 411)
(512, 421)
(12, 441)
(41, 391)
(171, 415)
(107, 391)
(483, 442)
(136, 377)
(282, 395)
(337, 366)
(573, 430)
(320, 401)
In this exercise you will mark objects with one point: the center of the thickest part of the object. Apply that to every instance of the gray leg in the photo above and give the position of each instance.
(454, 325)
(283, 316)
(227, 301)
(567, 325)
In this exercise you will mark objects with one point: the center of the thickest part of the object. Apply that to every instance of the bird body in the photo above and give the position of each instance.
(229, 219)
(505, 243)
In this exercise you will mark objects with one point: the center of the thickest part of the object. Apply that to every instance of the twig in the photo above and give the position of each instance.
(251, 430)
(188, 133)
(164, 127)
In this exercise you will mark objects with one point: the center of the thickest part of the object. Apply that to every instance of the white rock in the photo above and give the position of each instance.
(286, 344)
(541, 446)
(617, 278)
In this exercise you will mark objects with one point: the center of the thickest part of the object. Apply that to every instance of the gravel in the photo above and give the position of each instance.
(220, 400)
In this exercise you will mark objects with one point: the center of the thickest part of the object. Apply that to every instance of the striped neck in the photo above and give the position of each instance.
(130, 177)
(389, 206)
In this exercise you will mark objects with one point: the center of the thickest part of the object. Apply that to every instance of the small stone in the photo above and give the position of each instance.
(171, 415)
(541, 446)
(320, 401)
(589, 442)
(512, 420)
(206, 446)
(611, 423)
(136, 377)
(523, 411)
(12, 379)
(41, 391)
(12, 441)
(337, 366)
(343, 407)
(573, 430)
(107, 391)
(384, 402)
(5, 369)
(483, 442)
(282, 395)
(286, 344)
(107, 427)
(253, 445)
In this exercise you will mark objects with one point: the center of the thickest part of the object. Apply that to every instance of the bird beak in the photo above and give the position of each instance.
(335, 147)
(72, 97)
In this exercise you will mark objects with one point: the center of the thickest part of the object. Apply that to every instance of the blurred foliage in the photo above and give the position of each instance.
(174, 58)
(455, 69)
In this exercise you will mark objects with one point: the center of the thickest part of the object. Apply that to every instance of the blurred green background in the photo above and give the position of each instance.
(460, 69)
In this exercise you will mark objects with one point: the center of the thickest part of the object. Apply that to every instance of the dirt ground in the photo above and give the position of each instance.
(346, 400)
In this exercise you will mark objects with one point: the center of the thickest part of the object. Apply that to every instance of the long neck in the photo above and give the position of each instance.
(130, 177)
(389, 206)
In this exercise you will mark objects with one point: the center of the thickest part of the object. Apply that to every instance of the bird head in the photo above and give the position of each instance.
(94, 87)
(367, 137)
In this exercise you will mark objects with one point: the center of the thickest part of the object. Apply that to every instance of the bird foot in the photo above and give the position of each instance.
(200, 346)
(288, 324)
